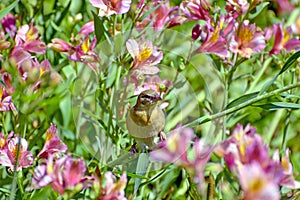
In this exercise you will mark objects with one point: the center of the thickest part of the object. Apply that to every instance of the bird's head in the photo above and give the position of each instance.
(148, 99)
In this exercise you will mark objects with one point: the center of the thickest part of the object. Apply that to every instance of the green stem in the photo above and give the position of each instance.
(3, 124)
(286, 125)
(208, 118)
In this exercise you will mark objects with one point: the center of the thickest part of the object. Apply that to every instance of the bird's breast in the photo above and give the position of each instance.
(141, 125)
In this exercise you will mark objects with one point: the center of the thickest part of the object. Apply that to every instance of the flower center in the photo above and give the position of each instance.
(145, 54)
(246, 35)
(256, 185)
(85, 45)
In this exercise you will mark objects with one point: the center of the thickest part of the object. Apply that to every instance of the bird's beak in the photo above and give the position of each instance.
(156, 98)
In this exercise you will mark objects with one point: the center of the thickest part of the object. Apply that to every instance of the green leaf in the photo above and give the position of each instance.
(242, 99)
(99, 27)
(65, 107)
(258, 8)
(146, 14)
(289, 62)
(285, 67)
(41, 194)
(141, 168)
(6, 10)
(279, 105)
(48, 6)
(111, 77)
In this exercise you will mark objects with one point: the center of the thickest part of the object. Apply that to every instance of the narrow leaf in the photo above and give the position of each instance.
(242, 99)
(99, 28)
(279, 105)
(289, 62)
(285, 67)
(6, 10)
(258, 8)
(149, 12)
(141, 168)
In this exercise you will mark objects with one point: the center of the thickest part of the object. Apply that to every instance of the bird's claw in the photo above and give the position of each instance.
(162, 136)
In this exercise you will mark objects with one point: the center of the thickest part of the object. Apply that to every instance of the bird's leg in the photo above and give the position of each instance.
(162, 136)
(133, 150)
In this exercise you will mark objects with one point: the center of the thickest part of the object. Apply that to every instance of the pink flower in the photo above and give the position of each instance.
(287, 179)
(83, 51)
(19, 55)
(201, 154)
(247, 40)
(28, 38)
(257, 184)
(174, 148)
(32, 71)
(159, 18)
(64, 174)
(15, 148)
(3, 43)
(196, 10)
(59, 45)
(9, 24)
(53, 144)
(237, 7)
(285, 6)
(296, 26)
(87, 29)
(145, 56)
(5, 100)
(154, 83)
(283, 40)
(111, 7)
(212, 39)
(243, 147)
(113, 189)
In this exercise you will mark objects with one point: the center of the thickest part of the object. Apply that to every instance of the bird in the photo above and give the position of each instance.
(146, 119)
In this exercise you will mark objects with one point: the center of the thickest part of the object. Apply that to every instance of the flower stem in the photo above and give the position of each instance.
(208, 118)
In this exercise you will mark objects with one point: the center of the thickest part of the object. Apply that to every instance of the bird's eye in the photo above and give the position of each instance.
(145, 96)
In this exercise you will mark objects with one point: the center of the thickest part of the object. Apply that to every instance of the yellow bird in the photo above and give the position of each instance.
(146, 119)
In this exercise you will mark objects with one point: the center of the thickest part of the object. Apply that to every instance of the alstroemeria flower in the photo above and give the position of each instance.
(111, 7)
(16, 147)
(237, 7)
(84, 52)
(28, 38)
(287, 179)
(159, 18)
(86, 29)
(53, 144)
(243, 147)
(201, 154)
(113, 189)
(283, 40)
(257, 184)
(3, 43)
(59, 45)
(174, 148)
(177, 149)
(212, 39)
(5, 100)
(285, 6)
(152, 82)
(65, 173)
(247, 40)
(196, 10)
(84, 49)
(32, 71)
(9, 24)
(145, 56)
